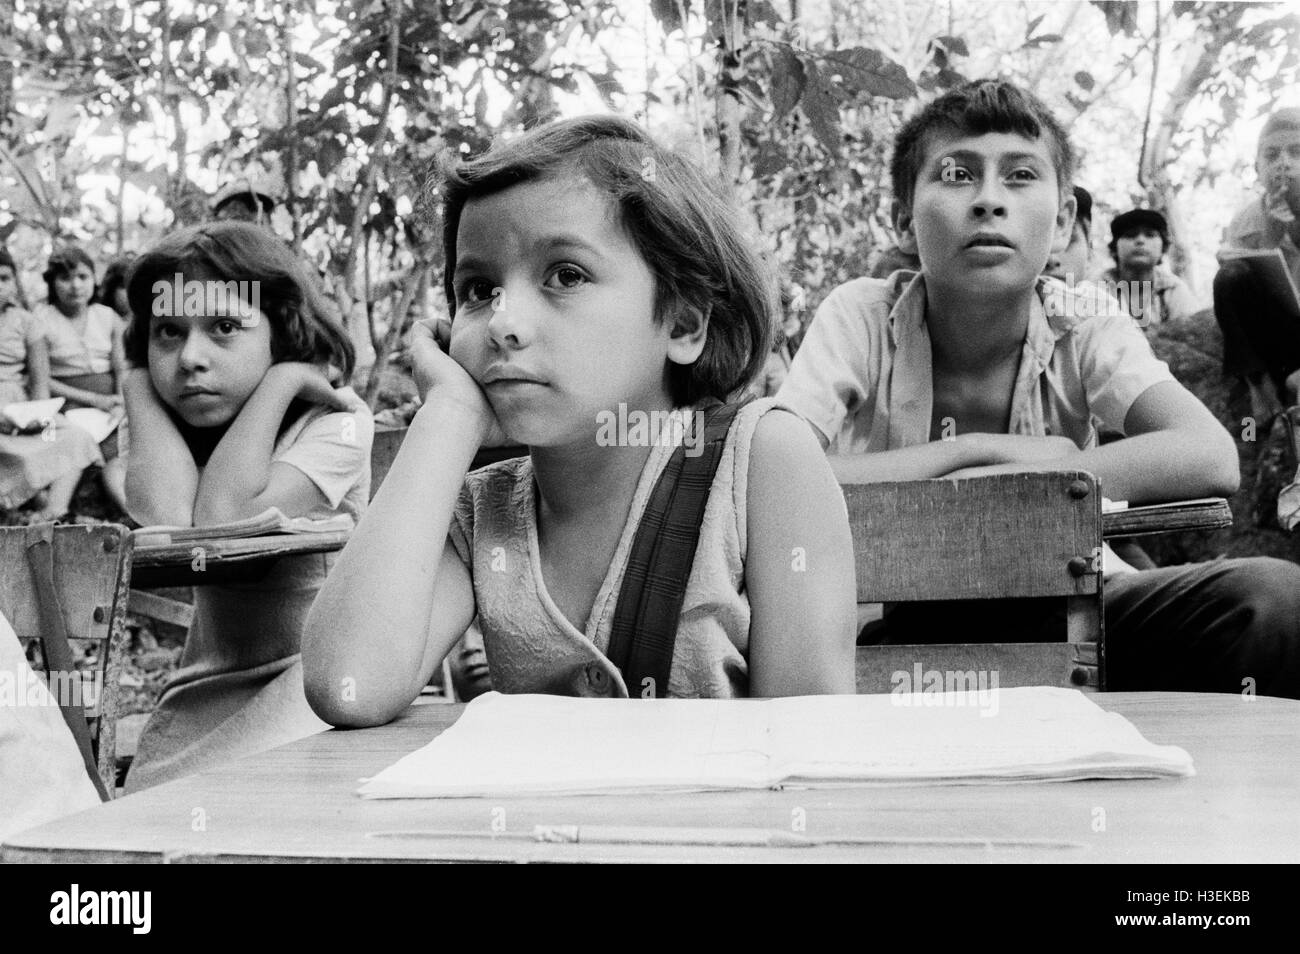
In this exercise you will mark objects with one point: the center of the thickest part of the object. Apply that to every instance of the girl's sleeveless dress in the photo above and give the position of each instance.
(532, 647)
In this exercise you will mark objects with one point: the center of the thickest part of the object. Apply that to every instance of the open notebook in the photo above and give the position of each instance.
(268, 522)
(553, 745)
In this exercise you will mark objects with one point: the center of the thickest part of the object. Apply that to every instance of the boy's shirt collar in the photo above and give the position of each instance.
(1054, 310)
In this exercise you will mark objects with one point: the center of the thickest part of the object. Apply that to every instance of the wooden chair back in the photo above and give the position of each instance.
(92, 577)
(998, 537)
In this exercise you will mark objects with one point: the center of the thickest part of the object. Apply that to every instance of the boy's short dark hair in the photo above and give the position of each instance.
(689, 235)
(979, 107)
(1285, 118)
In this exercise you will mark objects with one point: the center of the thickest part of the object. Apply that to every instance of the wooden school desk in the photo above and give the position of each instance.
(299, 803)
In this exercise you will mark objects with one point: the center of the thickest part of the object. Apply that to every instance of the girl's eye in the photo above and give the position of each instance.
(166, 332)
(475, 290)
(566, 276)
(1023, 175)
(227, 326)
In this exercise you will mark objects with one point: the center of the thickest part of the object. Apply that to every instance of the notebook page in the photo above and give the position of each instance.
(535, 744)
(1035, 733)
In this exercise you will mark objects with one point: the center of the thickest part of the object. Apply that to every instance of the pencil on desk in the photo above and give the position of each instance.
(722, 838)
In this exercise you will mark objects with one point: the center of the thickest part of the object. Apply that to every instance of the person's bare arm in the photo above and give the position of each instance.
(161, 476)
(38, 369)
(799, 567)
(941, 458)
(1175, 450)
(117, 358)
(105, 402)
(399, 596)
(240, 479)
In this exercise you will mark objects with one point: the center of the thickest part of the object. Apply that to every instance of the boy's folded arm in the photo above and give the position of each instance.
(929, 461)
(399, 596)
(1174, 449)
(798, 566)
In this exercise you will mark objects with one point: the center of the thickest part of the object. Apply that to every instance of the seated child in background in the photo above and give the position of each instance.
(590, 273)
(43, 467)
(980, 342)
(1151, 292)
(112, 288)
(233, 411)
(470, 676)
(1073, 263)
(85, 346)
(1261, 338)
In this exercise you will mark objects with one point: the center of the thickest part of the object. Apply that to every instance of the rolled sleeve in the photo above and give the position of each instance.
(333, 451)
(828, 377)
(1118, 365)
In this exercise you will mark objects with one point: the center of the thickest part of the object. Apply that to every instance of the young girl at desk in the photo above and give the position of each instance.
(42, 468)
(84, 340)
(233, 411)
(591, 275)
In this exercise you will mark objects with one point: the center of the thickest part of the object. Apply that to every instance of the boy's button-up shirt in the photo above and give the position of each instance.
(863, 375)
(1254, 228)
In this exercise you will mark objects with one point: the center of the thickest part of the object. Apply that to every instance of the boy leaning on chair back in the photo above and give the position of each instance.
(978, 364)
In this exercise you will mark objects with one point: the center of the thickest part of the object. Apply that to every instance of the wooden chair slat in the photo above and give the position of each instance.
(92, 576)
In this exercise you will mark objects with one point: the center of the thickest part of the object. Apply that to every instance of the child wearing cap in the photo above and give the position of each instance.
(1152, 293)
(1261, 341)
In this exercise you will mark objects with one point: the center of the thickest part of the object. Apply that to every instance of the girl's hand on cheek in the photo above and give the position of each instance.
(438, 373)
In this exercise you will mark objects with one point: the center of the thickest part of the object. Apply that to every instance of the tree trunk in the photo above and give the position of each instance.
(6, 73)
(121, 185)
(291, 127)
(731, 72)
(1154, 168)
(415, 281)
(172, 101)
(362, 208)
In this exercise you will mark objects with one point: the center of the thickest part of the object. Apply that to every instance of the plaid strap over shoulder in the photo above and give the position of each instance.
(644, 629)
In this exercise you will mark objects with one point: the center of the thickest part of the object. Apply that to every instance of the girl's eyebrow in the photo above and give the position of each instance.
(552, 243)
(546, 243)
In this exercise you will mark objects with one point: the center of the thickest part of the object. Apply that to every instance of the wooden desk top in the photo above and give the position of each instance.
(1208, 513)
(300, 803)
(236, 558)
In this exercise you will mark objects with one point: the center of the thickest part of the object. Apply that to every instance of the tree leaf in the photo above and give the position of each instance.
(868, 71)
(821, 109)
(955, 45)
(1043, 39)
(1084, 79)
(1033, 25)
(1121, 15)
(668, 14)
(787, 81)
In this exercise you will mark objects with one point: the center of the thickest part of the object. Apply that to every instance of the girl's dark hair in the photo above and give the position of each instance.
(978, 107)
(114, 278)
(7, 260)
(690, 236)
(63, 261)
(304, 322)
